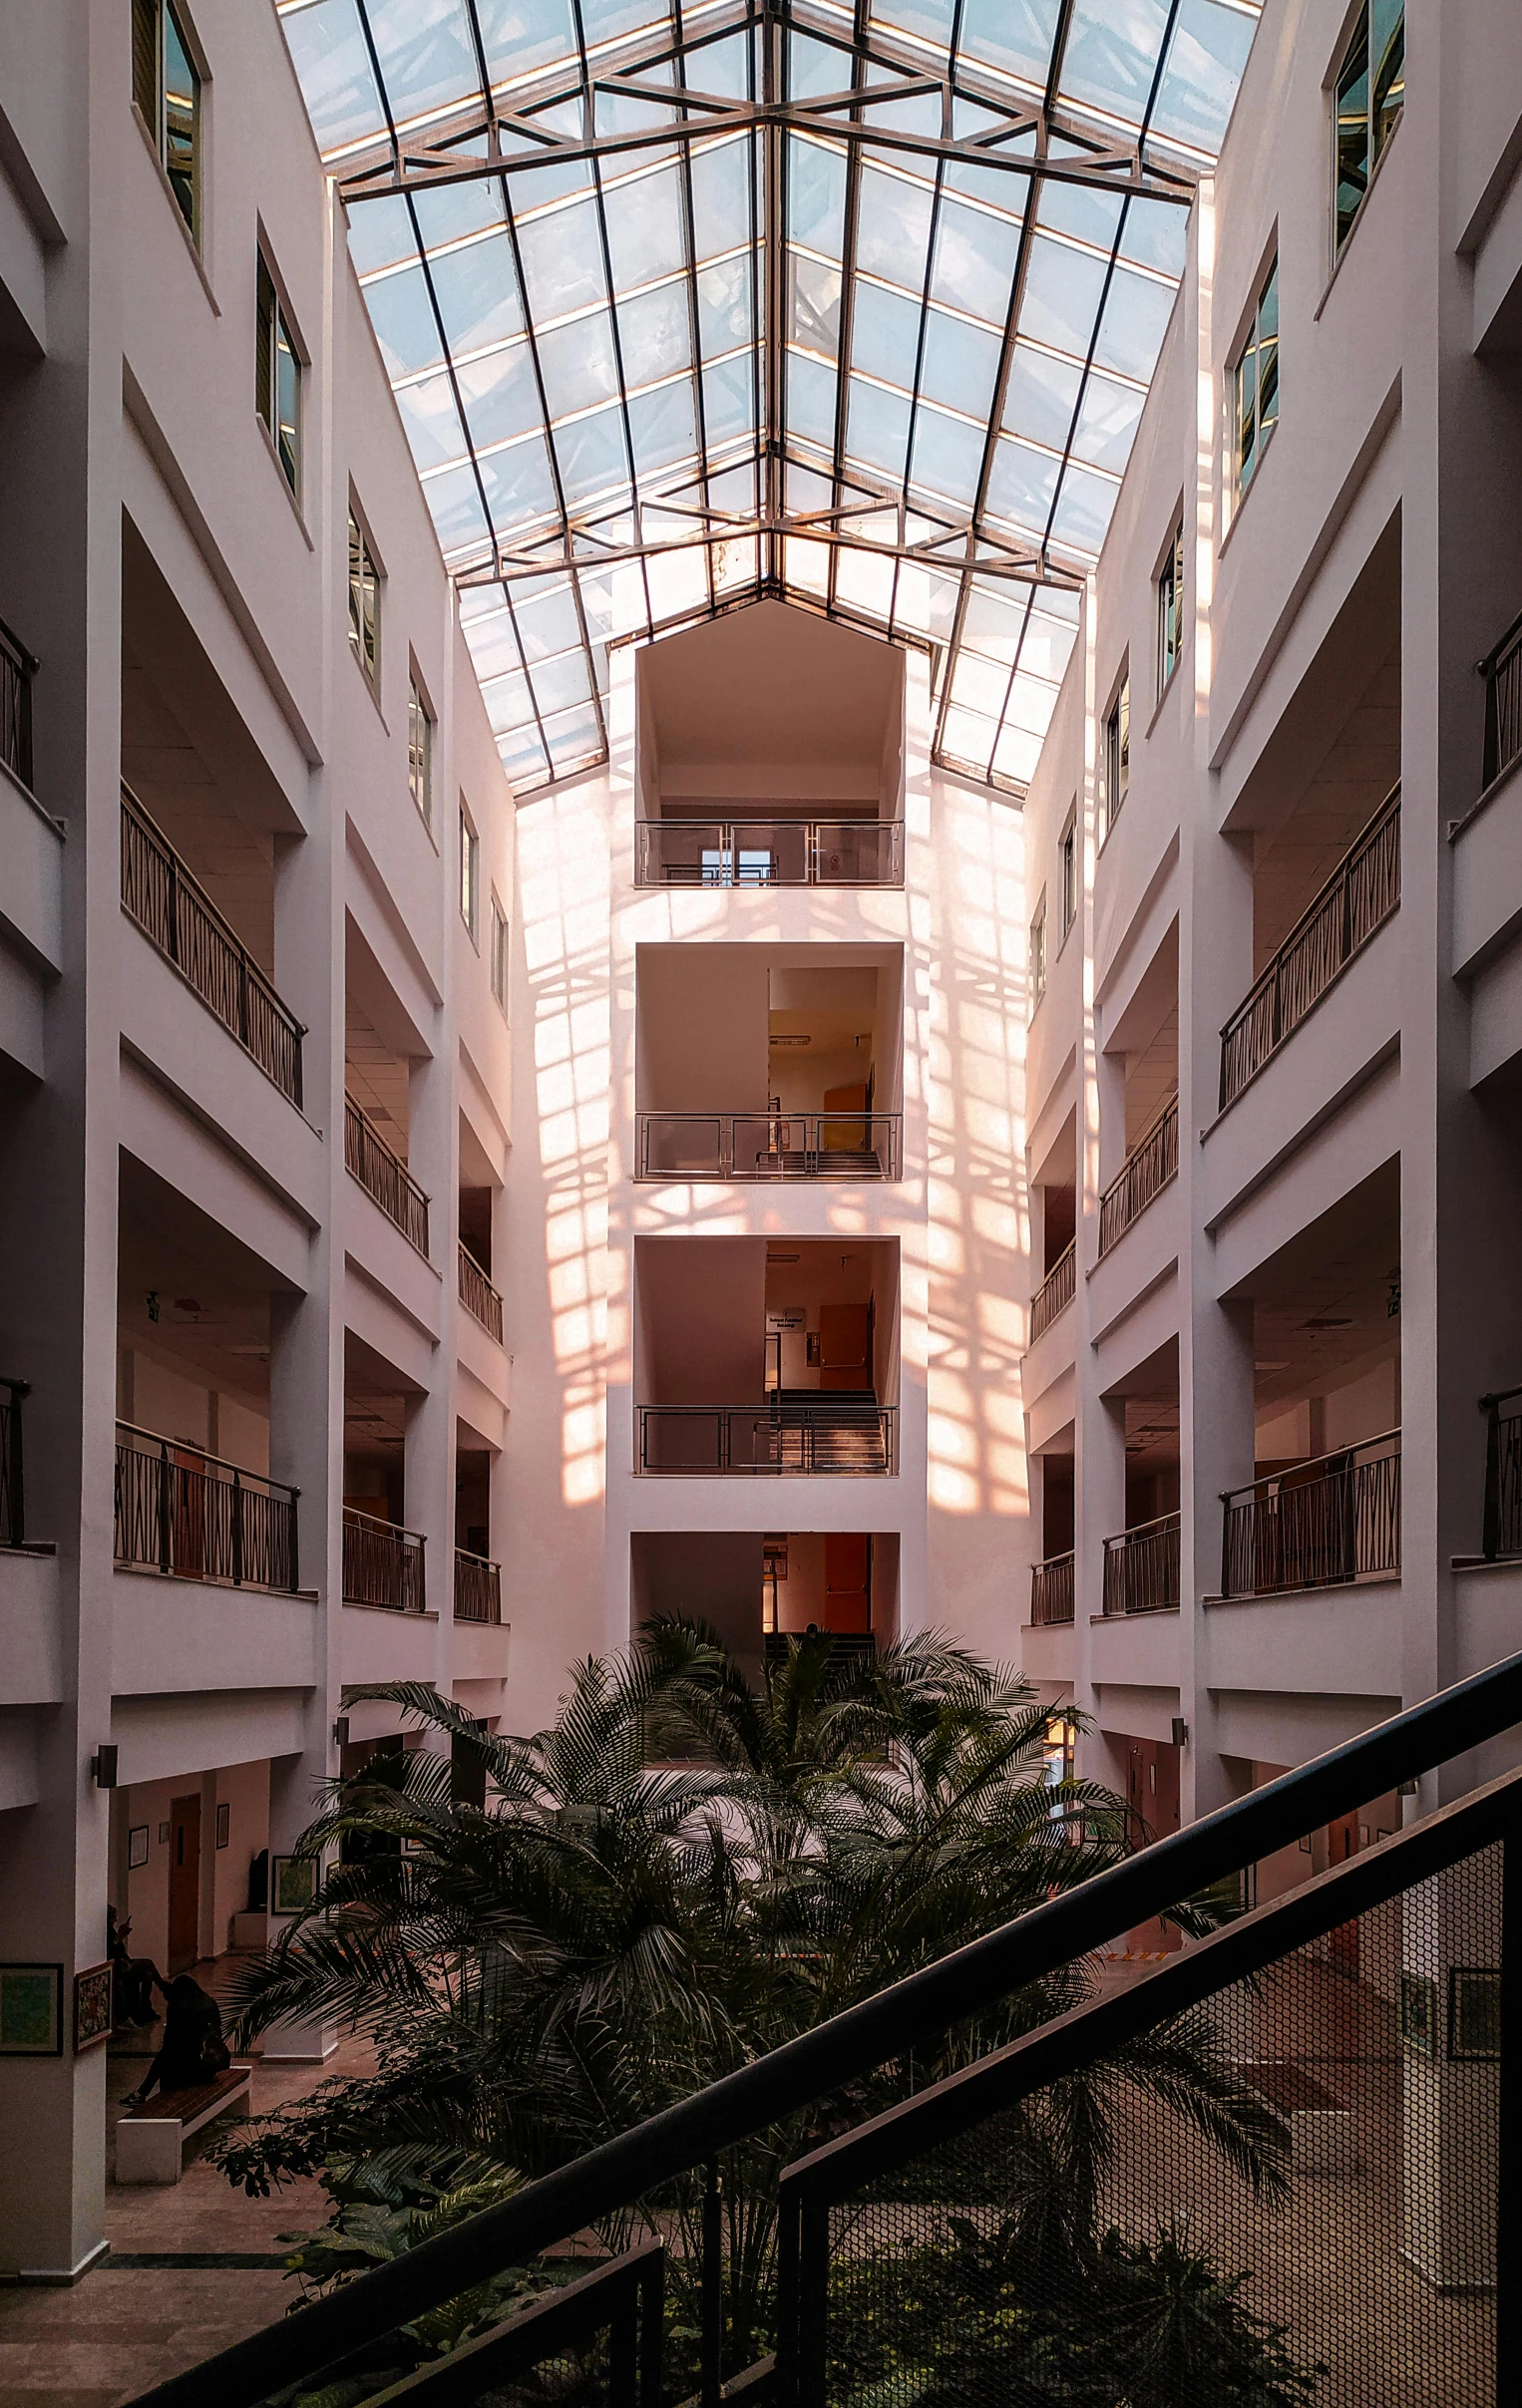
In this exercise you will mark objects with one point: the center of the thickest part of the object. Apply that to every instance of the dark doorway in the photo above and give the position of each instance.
(185, 1883)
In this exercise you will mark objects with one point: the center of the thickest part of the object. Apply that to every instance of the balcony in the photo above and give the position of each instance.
(1502, 1530)
(187, 1513)
(12, 1481)
(477, 1294)
(1355, 900)
(1051, 1591)
(477, 1587)
(179, 918)
(1055, 1292)
(1319, 1525)
(1141, 1567)
(1502, 672)
(768, 853)
(382, 1563)
(17, 669)
(1146, 1171)
(384, 1176)
(793, 1434)
(769, 1145)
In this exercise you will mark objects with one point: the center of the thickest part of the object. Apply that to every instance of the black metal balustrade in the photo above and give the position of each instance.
(477, 1295)
(834, 1435)
(478, 1588)
(769, 852)
(1051, 1591)
(1317, 1524)
(1147, 1169)
(1055, 1291)
(1141, 1567)
(12, 1472)
(1502, 672)
(1366, 2023)
(17, 669)
(180, 1510)
(768, 1144)
(1356, 899)
(1503, 1535)
(384, 1176)
(176, 914)
(845, 1647)
(382, 1563)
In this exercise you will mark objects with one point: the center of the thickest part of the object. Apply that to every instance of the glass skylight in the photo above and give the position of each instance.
(809, 326)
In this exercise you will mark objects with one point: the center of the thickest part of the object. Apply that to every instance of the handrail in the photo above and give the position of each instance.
(1501, 1530)
(772, 1144)
(1146, 1170)
(1310, 1463)
(1055, 1292)
(12, 1467)
(481, 1299)
(1051, 1591)
(178, 916)
(1501, 669)
(798, 853)
(200, 1518)
(1141, 1559)
(477, 1587)
(1322, 1524)
(384, 1176)
(1075, 1923)
(17, 670)
(784, 1434)
(383, 1564)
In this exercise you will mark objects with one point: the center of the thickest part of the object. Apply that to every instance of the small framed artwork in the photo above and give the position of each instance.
(1474, 2014)
(292, 1884)
(30, 2010)
(92, 2007)
(1304, 1842)
(1418, 2013)
(136, 1845)
(224, 1825)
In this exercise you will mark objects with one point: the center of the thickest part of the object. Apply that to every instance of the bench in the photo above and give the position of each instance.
(1320, 2127)
(151, 2140)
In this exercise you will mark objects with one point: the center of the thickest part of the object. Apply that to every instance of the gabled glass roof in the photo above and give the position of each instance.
(854, 305)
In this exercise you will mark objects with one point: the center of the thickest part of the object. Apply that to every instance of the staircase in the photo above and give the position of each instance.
(828, 1162)
(829, 1430)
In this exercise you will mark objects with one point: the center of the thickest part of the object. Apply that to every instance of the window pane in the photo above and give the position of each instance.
(287, 403)
(182, 120)
(420, 753)
(1352, 131)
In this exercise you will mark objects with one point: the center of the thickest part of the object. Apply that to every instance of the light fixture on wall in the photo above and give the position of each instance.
(1180, 1731)
(103, 1768)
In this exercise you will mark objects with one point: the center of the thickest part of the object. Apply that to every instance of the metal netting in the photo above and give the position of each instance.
(1285, 2196)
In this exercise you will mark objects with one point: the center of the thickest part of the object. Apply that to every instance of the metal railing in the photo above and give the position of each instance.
(382, 1563)
(384, 1176)
(1055, 1292)
(478, 1588)
(1502, 672)
(12, 1472)
(477, 1295)
(177, 916)
(17, 669)
(1502, 1530)
(1147, 1169)
(769, 852)
(1299, 1942)
(768, 1144)
(1316, 1525)
(1141, 1567)
(182, 1511)
(1356, 899)
(835, 1438)
(1051, 1591)
(844, 1647)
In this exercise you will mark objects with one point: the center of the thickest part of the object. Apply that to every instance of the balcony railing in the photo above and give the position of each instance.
(769, 1145)
(1147, 1169)
(1051, 1591)
(176, 914)
(1319, 1525)
(17, 669)
(183, 1512)
(769, 852)
(382, 1563)
(477, 1294)
(1055, 1291)
(1358, 898)
(478, 1588)
(1141, 1567)
(1502, 672)
(837, 1437)
(384, 1176)
(1503, 1474)
(12, 1480)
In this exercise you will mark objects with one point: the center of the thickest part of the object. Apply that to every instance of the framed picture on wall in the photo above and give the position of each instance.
(136, 1845)
(1474, 2014)
(292, 1884)
(92, 2007)
(224, 1825)
(1418, 2013)
(30, 2010)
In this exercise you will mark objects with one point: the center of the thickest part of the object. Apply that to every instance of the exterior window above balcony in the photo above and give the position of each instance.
(17, 669)
(1255, 385)
(277, 378)
(420, 750)
(166, 85)
(364, 603)
(1371, 92)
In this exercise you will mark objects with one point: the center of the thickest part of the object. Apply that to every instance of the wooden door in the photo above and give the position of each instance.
(1342, 1941)
(844, 1345)
(844, 1135)
(848, 1580)
(185, 1883)
(1152, 1792)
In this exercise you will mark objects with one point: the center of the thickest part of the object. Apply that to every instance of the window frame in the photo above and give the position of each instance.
(269, 290)
(499, 955)
(418, 708)
(360, 534)
(1117, 753)
(470, 874)
(1378, 124)
(1251, 349)
(1168, 589)
(1036, 956)
(152, 23)
(1067, 870)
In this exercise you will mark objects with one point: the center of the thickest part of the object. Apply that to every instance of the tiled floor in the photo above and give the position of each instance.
(123, 2327)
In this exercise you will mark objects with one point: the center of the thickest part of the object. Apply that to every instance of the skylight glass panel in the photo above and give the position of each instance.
(655, 334)
(329, 51)
(1136, 313)
(454, 499)
(1081, 519)
(1041, 395)
(1064, 288)
(961, 364)
(810, 400)
(948, 456)
(816, 196)
(877, 428)
(425, 51)
(406, 328)
(1206, 59)
(579, 365)
(1107, 421)
(662, 427)
(477, 293)
(500, 395)
(1112, 53)
(1013, 35)
(1022, 486)
(644, 229)
(729, 401)
(520, 36)
(893, 228)
(591, 455)
(976, 255)
(432, 421)
(884, 333)
(563, 260)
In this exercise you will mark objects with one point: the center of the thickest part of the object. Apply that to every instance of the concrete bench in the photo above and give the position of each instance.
(1320, 2127)
(151, 2140)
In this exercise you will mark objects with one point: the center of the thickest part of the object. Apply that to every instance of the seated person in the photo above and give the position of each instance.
(193, 2049)
(134, 1979)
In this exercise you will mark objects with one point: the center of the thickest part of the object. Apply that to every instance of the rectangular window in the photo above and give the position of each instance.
(166, 88)
(1255, 384)
(499, 953)
(364, 603)
(470, 870)
(1067, 862)
(420, 751)
(1117, 753)
(1370, 90)
(278, 379)
(1169, 611)
(1038, 954)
